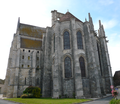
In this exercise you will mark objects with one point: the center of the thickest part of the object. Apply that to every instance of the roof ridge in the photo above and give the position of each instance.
(66, 17)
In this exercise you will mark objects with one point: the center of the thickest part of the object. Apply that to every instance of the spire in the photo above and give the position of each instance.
(99, 23)
(91, 22)
(18, 24)
(101, 30)
(18, 21)
(89, 16)
(85, 20)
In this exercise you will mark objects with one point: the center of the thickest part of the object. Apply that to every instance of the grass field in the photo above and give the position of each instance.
(47, 100)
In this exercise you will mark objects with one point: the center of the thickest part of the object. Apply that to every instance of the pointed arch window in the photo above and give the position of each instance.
(66, 40)
(79, 40)
(82, 66)
(67, 66)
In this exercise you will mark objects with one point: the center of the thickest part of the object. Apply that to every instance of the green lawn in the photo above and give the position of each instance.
(47, 100)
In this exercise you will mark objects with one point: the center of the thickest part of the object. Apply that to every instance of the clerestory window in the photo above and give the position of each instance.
(66, 40)
(79, 40)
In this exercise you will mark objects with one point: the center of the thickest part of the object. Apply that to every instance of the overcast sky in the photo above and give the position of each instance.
(38, 13)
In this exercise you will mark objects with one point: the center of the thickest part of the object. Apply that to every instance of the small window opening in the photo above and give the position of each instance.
(28, 66)
(37, 81)
(37, 51)
(29, 51)
(37, 58)
(28, 57)
(25, 80)
(22, 57)
(22, 65)
(58, 18)
(23, 50)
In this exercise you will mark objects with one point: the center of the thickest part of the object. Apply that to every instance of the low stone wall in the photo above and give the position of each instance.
(1, 88)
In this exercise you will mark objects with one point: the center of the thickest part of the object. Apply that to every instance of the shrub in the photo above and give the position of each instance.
(27, 95)
(32, 91)
(66, 96)
(73, 95)
(24, 96)
(36, 92)
(114, 101)
(59, 96)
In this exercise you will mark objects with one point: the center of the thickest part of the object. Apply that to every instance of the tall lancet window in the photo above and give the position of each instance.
(66, 40)
(67, 66)
(79, 40)
(82, 66)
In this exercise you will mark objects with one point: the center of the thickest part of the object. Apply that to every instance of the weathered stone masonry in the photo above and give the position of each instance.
(38, 58)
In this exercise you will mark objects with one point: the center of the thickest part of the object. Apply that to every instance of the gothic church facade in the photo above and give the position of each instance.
(65, 59)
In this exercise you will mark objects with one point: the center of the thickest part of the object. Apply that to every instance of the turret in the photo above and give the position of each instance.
(56, 16)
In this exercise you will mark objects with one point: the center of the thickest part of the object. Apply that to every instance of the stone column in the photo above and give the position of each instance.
(56, 63)
(46, 86)
(15, 92)
(33, 68)
(77, 72)
(16, 74)
(96, 63)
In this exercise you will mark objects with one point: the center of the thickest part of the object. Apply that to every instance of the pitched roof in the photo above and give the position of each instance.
(117, 75)
(67, 16)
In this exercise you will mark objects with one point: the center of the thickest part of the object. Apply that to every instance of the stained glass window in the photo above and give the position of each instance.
(79, 40)
(67, 66)
(66, 40)
(82, 66)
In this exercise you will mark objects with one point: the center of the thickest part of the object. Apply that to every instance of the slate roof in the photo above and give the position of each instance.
(68, 16)
(116, 78)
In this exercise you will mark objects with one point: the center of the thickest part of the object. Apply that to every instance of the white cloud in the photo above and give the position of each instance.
(106, 2)
(114, 52)
(108, 24)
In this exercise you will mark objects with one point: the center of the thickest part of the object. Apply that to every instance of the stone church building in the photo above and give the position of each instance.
(68, 58)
